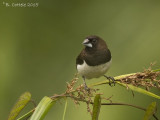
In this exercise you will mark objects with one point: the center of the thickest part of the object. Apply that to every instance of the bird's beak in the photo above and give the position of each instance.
(87, 43)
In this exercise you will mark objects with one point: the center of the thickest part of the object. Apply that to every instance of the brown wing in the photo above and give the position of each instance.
(98, 58)
(79, 59)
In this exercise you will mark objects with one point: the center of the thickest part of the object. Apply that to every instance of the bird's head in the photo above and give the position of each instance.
(94, 42)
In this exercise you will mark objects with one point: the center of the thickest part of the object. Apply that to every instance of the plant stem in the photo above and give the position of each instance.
(128, 105)
(82, 100)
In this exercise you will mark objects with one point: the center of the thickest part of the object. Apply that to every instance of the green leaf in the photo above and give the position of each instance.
(134, 88)
(20, 104)
(106, 81)
(157, 70)
(140, 90)
(24, 117)
(96, 107)
(42, 108)
(65, 108)
(150, 111)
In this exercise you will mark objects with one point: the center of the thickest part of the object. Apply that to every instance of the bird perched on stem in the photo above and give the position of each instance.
(94, 60)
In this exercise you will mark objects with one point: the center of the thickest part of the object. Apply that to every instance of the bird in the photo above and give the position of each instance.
(94, 60)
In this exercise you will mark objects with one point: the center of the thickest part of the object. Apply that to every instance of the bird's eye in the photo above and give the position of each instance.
(94, 40)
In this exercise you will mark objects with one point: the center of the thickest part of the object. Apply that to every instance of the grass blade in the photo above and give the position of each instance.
(42, 108)
(134, 88)
(140, 90)
(20, 104)
(96, 107)
(65, 108)
(150, 111)
(27, 115)
(106, 81)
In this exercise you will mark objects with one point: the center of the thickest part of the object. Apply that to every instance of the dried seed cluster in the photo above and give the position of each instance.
(80, 94)
(147, 79)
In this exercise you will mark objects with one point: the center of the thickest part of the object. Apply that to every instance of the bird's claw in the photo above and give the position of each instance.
(86, 88)
(110, 78)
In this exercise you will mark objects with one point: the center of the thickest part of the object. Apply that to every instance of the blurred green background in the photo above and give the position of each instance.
(38, 48)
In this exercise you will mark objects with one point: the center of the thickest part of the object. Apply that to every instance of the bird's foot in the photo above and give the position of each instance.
(85, 85)
(86, 88)
(110, 79)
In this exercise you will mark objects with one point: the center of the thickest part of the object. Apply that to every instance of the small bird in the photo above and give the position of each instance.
(94, 60)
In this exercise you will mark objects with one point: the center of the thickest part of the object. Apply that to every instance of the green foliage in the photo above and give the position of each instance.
(130, 86)
(140, 90)
(96, 107)
(65, 108)
(42, 108)
(80, 94)
(150, 111)
(27, 115)
(20, 104)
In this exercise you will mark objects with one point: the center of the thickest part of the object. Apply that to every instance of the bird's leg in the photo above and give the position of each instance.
(110, 78)
(85, 85)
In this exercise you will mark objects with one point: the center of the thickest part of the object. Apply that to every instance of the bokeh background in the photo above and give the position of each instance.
(38, 48)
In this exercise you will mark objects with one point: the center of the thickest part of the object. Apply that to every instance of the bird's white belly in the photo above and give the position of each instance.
(93, 71)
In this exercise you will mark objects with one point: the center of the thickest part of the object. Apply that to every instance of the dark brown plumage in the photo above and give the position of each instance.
(96, 55)
(94, 60)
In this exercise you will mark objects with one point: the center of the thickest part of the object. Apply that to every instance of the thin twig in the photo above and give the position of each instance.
(135, 79)
(125, 104)
(82, 100)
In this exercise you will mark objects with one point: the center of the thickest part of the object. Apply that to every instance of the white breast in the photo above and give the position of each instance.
(93, 71)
